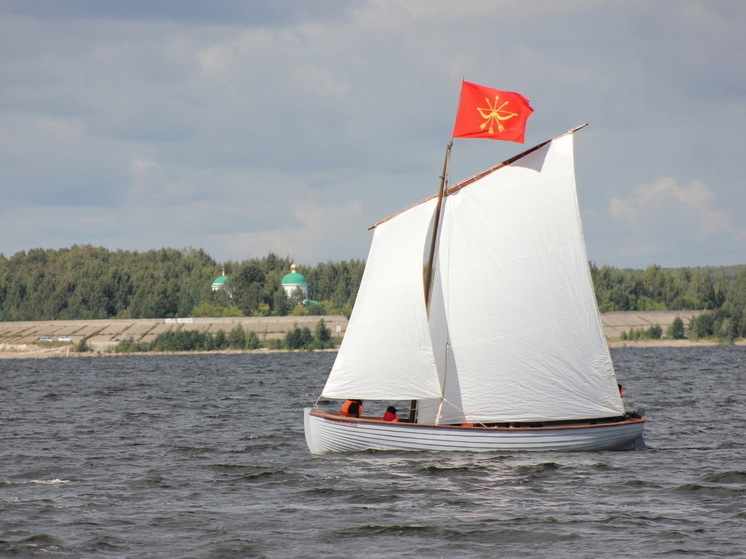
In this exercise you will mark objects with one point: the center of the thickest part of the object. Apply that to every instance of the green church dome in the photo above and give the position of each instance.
(219, 282)
(294, 278)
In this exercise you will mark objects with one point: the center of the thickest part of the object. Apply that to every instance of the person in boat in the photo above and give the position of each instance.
(352, 408)
(390, 414)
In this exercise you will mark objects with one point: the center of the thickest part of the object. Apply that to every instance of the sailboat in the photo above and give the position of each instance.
(477, 308)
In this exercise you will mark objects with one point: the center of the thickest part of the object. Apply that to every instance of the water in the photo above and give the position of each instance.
(204, 457)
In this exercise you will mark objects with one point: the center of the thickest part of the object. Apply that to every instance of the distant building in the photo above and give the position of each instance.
(293, 281)
(219, 282)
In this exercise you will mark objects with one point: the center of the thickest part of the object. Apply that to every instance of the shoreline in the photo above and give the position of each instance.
(34, 351)
(671, 343)
(9, 352)
(20, 340)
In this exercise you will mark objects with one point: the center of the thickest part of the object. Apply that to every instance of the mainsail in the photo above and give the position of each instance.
(518, 300)
(513, 333)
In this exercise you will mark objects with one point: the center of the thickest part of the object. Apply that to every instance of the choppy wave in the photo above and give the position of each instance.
(204, 456)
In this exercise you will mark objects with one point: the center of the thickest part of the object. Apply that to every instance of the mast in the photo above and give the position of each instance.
(429, 268)
(436, 227)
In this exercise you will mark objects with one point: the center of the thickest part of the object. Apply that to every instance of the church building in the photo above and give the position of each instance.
(219, 282)
(293, 281)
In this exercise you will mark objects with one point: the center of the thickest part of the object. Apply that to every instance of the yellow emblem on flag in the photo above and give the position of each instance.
(493, 115)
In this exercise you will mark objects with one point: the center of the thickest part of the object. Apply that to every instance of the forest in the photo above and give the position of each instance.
(86, 282)
(719, 290)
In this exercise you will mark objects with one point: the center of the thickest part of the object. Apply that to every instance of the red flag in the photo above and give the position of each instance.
(484, 112)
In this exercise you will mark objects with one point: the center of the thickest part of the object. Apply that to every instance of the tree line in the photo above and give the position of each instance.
(86, 282)
(720, 291)
(237, 338)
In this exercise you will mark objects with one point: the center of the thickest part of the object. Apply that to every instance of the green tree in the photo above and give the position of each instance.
(654, 332)
(252, 341)
(221, 340)
(676, 330)
(280, 302)
(294, 339)
(702, 326)
(237, 337)
(246, 287)
(322, 335)
(735, 304)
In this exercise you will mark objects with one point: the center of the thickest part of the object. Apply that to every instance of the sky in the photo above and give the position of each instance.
(248, 127)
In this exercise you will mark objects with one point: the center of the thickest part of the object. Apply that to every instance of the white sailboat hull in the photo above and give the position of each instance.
(327, 432)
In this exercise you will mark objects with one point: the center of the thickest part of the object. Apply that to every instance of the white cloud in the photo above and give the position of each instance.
(666, 218)
(316, 226)
(244, 130)
(662, 202)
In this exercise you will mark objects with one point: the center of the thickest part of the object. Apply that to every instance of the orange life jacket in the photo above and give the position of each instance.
(351, 408)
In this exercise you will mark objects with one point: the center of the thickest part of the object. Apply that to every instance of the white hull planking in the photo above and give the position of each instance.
(330, 433)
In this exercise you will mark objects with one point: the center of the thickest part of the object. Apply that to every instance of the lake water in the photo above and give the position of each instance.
(204, 457)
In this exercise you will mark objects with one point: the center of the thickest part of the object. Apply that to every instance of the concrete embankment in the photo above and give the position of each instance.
(618, 322)
(28, 339)
(23, 339)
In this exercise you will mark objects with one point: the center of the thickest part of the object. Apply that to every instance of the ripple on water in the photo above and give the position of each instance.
(174, 456)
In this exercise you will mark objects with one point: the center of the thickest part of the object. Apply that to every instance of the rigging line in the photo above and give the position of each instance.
(439, 415)
(316, 403)
(459, 408)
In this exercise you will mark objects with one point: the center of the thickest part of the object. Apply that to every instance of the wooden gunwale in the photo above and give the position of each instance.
(546, 425)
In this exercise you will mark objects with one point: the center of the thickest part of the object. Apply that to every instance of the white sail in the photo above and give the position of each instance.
(521, 316)
(386, 353)
(513, 338)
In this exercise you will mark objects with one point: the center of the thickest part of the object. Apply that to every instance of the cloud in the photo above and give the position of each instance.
(316, 226)
(242, 127)
(194, 12)
(669, 217)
